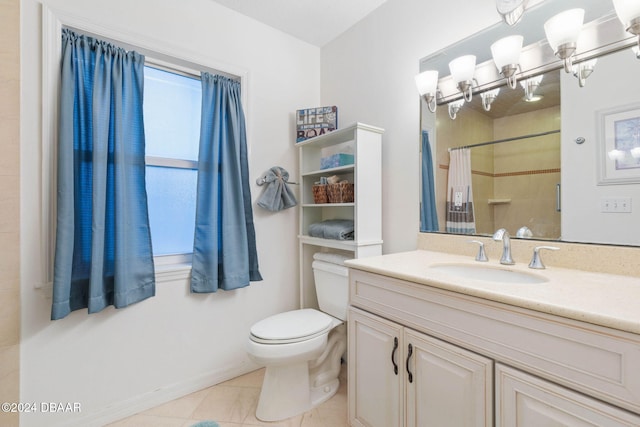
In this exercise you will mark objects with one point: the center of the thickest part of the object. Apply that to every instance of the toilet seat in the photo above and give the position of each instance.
(291, 327)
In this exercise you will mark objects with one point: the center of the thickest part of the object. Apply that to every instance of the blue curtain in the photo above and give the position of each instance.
(224, 248)
(103, 243)
(428, 213)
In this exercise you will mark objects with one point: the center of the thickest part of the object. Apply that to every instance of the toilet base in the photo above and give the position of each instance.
(322, 394)
(285, 392)
(292, 389)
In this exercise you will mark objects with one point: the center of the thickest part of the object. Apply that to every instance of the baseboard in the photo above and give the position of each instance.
(159, 396)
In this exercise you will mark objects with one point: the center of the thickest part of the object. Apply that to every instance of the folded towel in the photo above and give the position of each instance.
(337, 229)
(331, 257)
(277, 195)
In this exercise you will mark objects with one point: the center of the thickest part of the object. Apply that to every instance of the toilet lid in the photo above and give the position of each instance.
(291, 326)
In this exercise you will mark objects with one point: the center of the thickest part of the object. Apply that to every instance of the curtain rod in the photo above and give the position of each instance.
(516, 138)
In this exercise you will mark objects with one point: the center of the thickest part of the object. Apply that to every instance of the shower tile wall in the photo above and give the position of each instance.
(9, 207)
(527, 172)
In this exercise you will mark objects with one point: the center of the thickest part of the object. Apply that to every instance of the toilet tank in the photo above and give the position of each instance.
(332, 283)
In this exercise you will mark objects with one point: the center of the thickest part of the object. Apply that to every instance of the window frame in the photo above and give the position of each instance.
(177, 258)
(158, 53)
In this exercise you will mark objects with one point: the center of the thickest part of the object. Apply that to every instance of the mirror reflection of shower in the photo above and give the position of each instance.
(514, 177)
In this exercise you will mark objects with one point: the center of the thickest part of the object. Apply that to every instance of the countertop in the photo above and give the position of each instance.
(603, 299)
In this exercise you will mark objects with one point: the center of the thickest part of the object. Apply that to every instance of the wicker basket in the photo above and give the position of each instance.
(341, 192)
(320, 193)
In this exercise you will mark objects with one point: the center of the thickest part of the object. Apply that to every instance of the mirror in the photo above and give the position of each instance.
(515, 175)
(527, 169)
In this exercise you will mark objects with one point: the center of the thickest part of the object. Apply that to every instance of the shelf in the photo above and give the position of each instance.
(349, 245)
(327, 205)
(365, 143)
(338, 169)
(339, 135)
(499, 201)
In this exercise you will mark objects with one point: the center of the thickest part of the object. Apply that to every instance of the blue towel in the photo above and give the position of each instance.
(337, 229)
(277, 196)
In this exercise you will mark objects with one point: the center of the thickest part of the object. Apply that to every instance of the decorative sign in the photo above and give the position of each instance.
(315, 122)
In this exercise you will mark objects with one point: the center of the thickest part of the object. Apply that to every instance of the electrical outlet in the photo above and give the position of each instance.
(615, 205)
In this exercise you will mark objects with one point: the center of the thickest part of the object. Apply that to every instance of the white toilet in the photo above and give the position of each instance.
(302, 349)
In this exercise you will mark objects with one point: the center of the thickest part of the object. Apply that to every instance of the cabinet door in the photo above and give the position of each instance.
(523, 400)
(375, 385)
(447, 386)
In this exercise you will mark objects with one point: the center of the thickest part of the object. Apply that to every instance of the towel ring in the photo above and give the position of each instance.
(263, 180)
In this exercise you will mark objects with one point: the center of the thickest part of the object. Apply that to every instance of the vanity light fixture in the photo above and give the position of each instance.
(454, 107)
(488, 97)
(562, 32)
(584, 70)
(636, 51)
(427, 83)
(616, 155)
(628, 12)
(462, 69)
(530, 86)
(506, 55)
(511, 10)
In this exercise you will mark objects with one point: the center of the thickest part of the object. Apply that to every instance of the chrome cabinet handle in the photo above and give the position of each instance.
(393, 355)
(410, 352)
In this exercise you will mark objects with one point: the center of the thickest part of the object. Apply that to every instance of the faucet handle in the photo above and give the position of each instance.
(536, 260)
(482, 255)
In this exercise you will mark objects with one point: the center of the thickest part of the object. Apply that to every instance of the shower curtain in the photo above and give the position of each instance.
(428, 213)
(460, 215)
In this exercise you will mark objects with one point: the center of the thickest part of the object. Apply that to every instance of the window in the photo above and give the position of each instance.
(172, 103)
(177, 68)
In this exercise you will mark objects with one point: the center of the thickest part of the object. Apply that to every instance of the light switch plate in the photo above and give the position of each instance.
(615, 205)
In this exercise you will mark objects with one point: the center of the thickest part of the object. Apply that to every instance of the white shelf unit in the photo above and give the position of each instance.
(365, 142)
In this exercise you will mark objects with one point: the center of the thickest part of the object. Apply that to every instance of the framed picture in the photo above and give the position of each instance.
(619, 145)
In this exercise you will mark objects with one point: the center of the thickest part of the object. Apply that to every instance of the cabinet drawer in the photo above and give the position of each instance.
(598, 361)
(526, 401)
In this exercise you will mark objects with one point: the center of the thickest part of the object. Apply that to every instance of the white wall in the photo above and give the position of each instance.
(368, 72)
(614, 83)
(120, 361)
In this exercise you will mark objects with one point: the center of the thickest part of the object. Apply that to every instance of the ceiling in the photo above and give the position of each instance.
(313, 21)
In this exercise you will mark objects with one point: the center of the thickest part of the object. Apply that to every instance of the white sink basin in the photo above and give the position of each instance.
(488, 273)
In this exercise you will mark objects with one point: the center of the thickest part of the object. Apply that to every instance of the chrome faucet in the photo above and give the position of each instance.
(503, 235)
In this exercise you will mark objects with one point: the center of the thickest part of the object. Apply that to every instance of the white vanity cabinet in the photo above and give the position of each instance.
(526, 401)
(401, 377)
(547, 370)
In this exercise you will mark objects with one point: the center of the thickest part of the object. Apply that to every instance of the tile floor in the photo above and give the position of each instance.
(233, 404)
